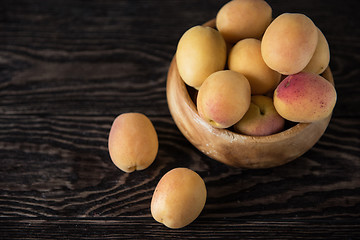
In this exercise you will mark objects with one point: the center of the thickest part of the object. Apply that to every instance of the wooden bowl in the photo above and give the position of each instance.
(236, 149)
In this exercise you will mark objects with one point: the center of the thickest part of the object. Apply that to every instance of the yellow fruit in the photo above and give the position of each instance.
(178, 198)
(133, 142)
(289, 43)
(245, 57)
(201, 51)
(239, 19)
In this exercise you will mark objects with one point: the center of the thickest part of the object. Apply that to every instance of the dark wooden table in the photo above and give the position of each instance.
(68, 68)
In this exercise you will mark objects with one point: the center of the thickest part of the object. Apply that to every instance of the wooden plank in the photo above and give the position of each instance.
(59, 166)
(144, 228)
(68, 68)
(78, 60)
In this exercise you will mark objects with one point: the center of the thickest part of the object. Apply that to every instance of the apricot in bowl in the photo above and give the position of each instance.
(236, 149)
(232, 148)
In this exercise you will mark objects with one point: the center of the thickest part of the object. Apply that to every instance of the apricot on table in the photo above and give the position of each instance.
(179, 198)
(133, 142)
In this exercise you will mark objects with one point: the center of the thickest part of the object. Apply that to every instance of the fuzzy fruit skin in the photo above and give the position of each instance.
(245, 57)
(179, 198)
(240, 19)
(224, 98)
(201, 51)
(321, 58)
(305, 97)
(133, 142)
(289, 43)
(261, 119)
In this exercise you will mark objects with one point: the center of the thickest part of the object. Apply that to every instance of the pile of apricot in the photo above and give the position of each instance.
(253, 72)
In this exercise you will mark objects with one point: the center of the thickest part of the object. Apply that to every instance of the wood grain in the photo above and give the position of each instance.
(63, 169)
(68, 68)
(140, 228)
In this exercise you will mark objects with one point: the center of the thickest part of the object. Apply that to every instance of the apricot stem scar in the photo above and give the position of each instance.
(287, 83)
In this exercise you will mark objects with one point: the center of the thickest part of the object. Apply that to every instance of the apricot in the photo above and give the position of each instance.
(304, 97)
(133, 142)
(224, 98)
(261, 119)
(245, 57)
(289, 43)
(201, 51)
(321, 58)
(239, 19)
(179, 198)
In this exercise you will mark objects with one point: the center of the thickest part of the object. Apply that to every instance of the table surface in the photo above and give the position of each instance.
(68, 68)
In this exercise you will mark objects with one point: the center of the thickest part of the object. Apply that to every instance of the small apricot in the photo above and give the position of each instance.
(179, 198)
(304, 97)
(245, 57)
(201, 51)
(321, 58)
(239, 19)
(289, 43)
(133, 142)
(224, 98)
